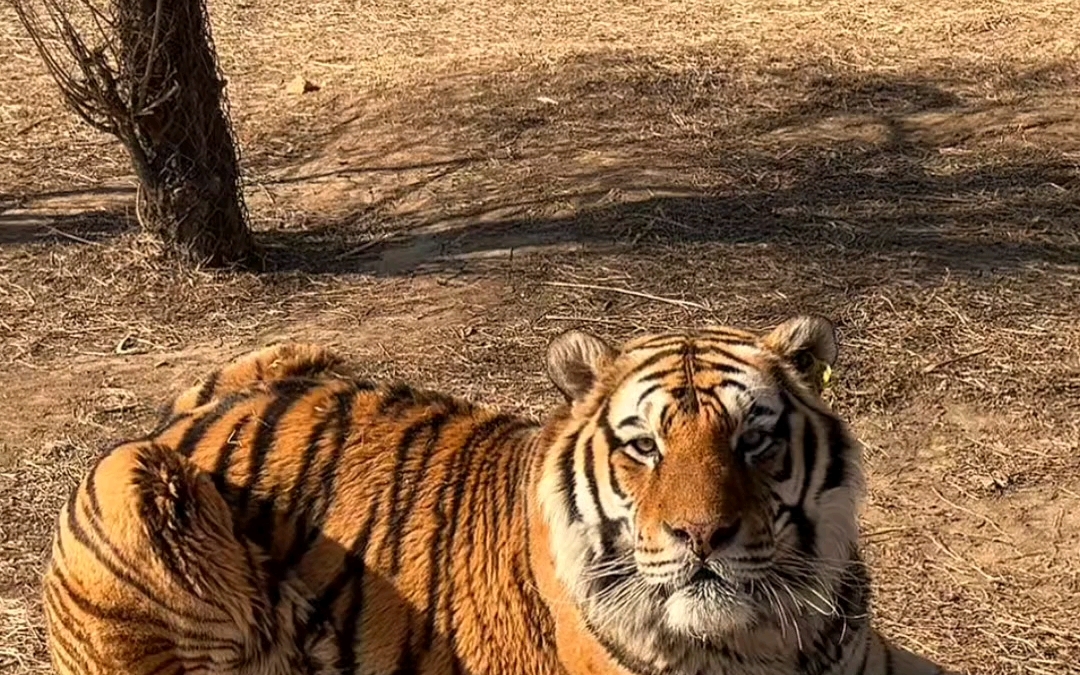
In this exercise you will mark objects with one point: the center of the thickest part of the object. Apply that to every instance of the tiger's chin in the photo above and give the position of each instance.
(711, 610)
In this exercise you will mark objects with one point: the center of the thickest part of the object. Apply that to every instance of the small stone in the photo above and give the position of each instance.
(300, 85)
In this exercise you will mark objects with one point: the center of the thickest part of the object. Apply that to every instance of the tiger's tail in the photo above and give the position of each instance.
(257, 370)
(146, 573)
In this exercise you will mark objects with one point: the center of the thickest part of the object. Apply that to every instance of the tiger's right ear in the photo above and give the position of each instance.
(575, 360)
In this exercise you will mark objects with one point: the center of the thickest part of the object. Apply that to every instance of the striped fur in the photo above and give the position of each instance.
(289, 517)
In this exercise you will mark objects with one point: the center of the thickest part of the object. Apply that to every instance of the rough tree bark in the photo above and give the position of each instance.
(146, 72)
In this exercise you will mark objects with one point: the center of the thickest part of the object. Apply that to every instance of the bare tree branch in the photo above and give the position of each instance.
(145, 72)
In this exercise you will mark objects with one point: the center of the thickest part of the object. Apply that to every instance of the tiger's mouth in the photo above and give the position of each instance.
(705, 575)
(709, 604)
(708, 580)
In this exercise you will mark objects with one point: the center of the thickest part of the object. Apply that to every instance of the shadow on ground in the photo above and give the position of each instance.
(84, 228)
(627, 152)
(966, 169)
(992, 219)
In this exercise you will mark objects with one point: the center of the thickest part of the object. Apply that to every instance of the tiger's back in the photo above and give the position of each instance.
(283, 518)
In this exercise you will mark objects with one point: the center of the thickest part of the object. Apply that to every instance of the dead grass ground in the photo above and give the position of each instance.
(909, 168)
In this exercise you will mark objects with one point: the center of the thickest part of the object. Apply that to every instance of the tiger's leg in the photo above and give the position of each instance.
(260, 368)
(146, 575)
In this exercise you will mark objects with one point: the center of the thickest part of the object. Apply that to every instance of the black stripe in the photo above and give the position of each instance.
(296, 511)
(396, 396)
(355, 572)
(187, 665)
(445, 519)
(726, 367)
(398, 477)
(656, 376)
(261, 529)
(865, 656)
(616, 487)
(207, 389)
(150, 650)
(786, 467)
(733, 384)
(219, 473)
(809, 456)
(198, 429)
(342, 428)
(568, 476)
(65, 657)
(759, 410)
(148, 472)
(406, 662)
(648, 363)
(352, 561)
(630, 421)
(399, 518)
(667, 418)
(805, 531)
(326, 482)
(645, 394)
(62, 618)
(689, 400)
(782, 430)
(659, 342)
(591, 485)
(516, 484)
(613, 444)
(490, 435)
(498, 486)
(723, 342)
(287, 394)
(478, 502)
(888, 659)
(836, 472)
(87, 606)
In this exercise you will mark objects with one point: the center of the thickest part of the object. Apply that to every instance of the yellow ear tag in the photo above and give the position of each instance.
(826, 376)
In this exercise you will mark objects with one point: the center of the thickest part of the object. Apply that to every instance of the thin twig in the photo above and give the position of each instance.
(582, 319)
(72, 237)
(627, 291)
(961, 357)
(151, 57)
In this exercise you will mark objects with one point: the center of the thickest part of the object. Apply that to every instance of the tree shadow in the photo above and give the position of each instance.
(820, 160)
(78, 229)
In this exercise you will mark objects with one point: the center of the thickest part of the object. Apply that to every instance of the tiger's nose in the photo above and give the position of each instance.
(704, 538)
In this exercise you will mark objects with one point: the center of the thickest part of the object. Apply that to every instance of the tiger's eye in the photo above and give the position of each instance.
(644, 445)
(753, 438)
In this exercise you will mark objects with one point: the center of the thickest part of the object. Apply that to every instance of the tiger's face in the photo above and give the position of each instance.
(699, 488)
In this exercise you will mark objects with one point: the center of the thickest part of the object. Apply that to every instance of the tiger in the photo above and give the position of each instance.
(689, 507)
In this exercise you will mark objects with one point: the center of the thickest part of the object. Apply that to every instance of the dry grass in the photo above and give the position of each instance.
(473, 177)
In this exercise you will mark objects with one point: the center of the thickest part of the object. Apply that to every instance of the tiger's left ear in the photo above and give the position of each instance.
(575, 360)
(809, 344)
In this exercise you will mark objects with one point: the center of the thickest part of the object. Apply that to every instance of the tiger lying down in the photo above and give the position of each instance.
(691, 509)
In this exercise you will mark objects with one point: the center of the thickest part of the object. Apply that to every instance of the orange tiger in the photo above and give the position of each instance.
(691, 508)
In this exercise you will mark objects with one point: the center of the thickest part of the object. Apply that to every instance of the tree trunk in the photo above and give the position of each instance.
(182, 145)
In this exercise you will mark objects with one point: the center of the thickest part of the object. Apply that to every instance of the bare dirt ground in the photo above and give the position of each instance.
(469, 171)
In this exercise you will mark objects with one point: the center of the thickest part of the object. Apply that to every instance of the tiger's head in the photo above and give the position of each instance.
(698, 488)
